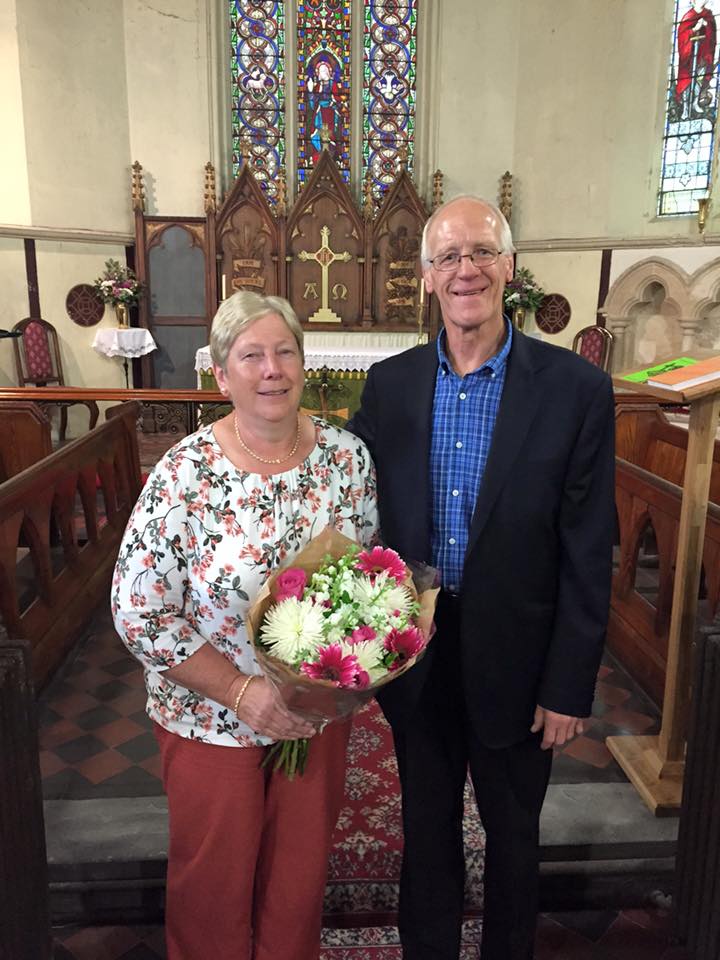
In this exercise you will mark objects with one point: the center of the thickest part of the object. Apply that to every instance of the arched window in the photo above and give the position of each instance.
(310, 105)
(689, 139)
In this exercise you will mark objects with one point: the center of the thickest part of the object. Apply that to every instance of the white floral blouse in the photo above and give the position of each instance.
(200, 543)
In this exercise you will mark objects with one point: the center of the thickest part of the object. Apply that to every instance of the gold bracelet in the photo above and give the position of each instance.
(243, 688)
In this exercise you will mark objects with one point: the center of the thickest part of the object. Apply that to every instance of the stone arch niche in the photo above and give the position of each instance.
(706, 291)
(650, 312)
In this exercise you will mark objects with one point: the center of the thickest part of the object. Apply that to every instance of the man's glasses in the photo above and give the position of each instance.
(480, 257)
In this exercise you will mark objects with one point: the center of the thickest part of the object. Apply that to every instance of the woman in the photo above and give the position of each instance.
(248, 849)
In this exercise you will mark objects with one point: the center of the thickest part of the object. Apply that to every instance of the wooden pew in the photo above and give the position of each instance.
(648, 483)
(57, 548)
(24, 437)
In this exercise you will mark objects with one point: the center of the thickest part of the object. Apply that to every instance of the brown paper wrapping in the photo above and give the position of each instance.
(319, 700)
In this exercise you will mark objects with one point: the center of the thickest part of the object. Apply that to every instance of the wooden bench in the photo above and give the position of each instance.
(61, 523)
(24, 437)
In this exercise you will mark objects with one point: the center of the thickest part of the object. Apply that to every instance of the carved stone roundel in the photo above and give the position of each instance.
(83, 305)
(553, 314)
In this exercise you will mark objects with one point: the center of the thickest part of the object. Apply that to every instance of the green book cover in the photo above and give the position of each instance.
(642, 376)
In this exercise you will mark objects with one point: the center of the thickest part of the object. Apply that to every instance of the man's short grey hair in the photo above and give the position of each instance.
(506, 240)
(240, 310)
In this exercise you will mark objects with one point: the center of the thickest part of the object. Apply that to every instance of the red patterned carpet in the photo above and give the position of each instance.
(366, 857)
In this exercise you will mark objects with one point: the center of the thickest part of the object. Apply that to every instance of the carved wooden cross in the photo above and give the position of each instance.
(325, 257)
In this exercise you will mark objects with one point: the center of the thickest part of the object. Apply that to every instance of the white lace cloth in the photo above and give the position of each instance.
(124, 341)
(348, 351)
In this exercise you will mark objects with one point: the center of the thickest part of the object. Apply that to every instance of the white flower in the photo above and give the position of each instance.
(291, 628)
(384, 596)
(369, 655)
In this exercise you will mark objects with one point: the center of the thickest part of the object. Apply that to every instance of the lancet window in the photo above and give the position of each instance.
(689, 139)
(318, 111)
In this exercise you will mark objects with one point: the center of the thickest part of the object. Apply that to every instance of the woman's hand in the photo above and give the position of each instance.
(265, 713)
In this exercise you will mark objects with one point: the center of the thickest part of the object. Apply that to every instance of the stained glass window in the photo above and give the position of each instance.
(323, 81)
(688, 143)
(257, 31)
(390, 42)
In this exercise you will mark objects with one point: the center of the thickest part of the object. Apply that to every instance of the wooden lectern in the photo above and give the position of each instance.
(655, 764)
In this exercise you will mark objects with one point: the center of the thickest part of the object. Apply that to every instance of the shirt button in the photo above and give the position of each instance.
(456, 493)
(462, 396)
(459, 444)
(492, 376)
(451, 541)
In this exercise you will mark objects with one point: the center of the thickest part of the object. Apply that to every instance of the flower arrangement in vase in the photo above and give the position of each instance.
(522, 293)
(118, 286)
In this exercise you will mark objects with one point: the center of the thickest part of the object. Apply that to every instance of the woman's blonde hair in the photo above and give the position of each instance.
(238, 312)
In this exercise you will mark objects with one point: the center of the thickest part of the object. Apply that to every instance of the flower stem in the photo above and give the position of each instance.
(290, 756)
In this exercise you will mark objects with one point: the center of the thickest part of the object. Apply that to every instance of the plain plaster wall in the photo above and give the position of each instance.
(14, 190)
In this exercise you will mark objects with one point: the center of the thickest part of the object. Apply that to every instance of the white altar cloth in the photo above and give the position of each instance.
(124, 341)
(344, 351)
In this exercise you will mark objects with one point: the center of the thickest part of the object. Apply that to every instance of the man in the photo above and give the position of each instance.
(495, 461)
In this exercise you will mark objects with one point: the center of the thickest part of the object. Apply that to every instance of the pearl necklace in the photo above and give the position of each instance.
(257, 456)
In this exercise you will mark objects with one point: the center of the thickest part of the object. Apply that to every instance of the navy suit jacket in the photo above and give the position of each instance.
(536, 579)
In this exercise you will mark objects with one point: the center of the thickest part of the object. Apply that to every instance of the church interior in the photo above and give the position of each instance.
(195, 148)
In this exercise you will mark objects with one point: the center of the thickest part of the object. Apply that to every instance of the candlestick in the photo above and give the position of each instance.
(224, 294)
(421, 314)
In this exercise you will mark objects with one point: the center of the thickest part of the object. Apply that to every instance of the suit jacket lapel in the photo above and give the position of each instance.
(517, 409)
(420, 395)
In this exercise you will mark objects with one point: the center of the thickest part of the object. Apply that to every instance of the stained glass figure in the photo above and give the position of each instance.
(323, 81)
(390, 42)
(257, 33)
(688, 143)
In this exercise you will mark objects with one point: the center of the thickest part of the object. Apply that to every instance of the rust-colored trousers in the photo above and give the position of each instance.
(247, 862)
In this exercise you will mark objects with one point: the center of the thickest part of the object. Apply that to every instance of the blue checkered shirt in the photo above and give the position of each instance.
(464, 414)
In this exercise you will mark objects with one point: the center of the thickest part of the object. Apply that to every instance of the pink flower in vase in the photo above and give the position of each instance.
(405, 644)
(290, 583)
(381, 560)
(333, 666)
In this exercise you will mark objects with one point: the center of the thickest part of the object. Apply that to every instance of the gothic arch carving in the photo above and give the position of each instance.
(630, 300)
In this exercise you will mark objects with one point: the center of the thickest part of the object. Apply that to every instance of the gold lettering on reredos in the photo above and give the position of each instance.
(238, 283)
(402, 265)
(310, 291)
(339, 291)
(254, 264)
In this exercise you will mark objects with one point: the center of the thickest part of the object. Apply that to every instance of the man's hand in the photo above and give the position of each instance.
(557, 728)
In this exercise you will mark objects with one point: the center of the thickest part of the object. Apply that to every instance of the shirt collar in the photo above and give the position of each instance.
(494, 364)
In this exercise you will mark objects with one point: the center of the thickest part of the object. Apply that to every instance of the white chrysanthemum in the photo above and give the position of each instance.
(292, 627)
(382, 596)
(369, 654)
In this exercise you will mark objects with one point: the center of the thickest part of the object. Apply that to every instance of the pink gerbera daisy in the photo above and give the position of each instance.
(405, 644)
(333, 666)
(381, 560)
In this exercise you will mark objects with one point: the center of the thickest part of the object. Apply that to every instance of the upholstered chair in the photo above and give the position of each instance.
(38, 364)
(596, 345)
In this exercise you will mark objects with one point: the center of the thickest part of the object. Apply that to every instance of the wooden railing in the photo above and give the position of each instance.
(183, 411)
(61, 522)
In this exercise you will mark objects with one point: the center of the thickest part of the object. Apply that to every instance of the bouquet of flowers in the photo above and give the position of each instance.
(118, 285)
(335, 626)
(523, 291)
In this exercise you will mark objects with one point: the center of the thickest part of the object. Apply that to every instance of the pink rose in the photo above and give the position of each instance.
(290, 583)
